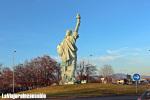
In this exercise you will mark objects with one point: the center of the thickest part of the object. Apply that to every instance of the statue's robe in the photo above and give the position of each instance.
(67, 49)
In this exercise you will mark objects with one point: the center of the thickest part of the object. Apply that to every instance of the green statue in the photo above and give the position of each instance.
(67, 51)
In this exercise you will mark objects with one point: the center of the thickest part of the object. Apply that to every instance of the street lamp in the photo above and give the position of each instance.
(87, 68)
(14, 71)
(89, 58)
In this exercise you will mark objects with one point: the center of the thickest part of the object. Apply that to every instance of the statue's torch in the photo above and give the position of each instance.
(78, 16)
(78, 22)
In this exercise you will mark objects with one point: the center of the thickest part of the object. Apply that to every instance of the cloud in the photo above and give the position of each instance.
(112, 55)
(117, 51)
(125, 60)
(126, 51)
(124, 55)
(108, 58)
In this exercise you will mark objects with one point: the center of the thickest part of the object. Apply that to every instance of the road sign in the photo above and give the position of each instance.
(136, 77)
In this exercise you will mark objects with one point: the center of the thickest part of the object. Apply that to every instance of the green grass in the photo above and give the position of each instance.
(91, 89)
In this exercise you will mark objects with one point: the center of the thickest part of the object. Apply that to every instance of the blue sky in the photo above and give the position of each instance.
(115, 32)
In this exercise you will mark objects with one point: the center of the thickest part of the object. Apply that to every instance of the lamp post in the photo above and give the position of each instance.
(14, 71)
(87, 68)
(90, 58)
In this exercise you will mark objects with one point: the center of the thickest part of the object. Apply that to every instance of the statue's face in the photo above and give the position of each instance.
(68, 33)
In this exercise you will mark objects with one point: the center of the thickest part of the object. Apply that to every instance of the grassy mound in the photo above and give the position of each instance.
(92, 89)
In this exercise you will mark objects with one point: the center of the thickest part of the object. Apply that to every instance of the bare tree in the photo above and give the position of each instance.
(81, 71)
(86, 71)
(106, 71)
(90, 71)
(6, 77)
(1, 79)
(1, 65)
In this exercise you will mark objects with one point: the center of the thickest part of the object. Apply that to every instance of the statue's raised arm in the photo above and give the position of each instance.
(78, 23)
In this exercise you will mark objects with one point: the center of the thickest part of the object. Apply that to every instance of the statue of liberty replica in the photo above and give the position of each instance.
(67, 51)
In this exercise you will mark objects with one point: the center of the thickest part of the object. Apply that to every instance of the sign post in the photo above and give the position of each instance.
(136, 77)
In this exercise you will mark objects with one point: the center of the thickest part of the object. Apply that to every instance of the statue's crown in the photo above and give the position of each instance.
(68, 32)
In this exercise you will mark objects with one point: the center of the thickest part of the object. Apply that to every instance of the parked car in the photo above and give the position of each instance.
(145, 96)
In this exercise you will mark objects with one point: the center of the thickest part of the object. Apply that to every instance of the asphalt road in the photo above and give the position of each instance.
(109, 98)
(98, 98)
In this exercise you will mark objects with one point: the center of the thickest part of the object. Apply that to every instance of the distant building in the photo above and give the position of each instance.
(83, 82)
(120, 81)
(106, 80)
(144, 81)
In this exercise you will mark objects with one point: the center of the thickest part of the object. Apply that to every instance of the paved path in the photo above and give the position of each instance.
(97, 98)
(109, 98)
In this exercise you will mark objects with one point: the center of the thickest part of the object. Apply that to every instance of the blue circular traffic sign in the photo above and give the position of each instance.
(136, 77)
